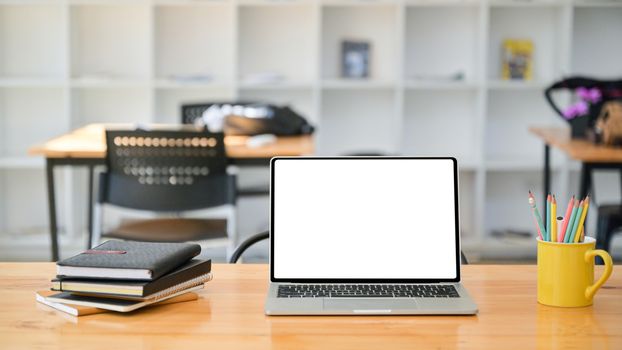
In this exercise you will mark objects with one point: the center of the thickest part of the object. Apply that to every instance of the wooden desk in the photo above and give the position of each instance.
(229, 315)
(86, 146)
(90, 142)
(590, 155)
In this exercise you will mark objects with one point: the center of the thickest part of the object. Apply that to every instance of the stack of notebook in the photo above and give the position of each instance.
(124, 276)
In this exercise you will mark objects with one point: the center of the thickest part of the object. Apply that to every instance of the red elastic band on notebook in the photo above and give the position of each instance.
(96, 251)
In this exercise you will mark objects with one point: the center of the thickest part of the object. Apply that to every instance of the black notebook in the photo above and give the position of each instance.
(194, 272)
(127, 260)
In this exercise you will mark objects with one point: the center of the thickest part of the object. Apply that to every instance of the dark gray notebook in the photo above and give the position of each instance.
(192, 270)
(127, 260)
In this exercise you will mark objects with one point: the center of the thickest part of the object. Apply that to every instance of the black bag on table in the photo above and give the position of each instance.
(582, 118)
(250, 118)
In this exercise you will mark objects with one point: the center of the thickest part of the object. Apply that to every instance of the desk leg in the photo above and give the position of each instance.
(90, 207)
(547, 175)
(586, 179)
(49, 168)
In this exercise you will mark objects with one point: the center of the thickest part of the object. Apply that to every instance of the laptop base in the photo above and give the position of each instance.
(463, 305)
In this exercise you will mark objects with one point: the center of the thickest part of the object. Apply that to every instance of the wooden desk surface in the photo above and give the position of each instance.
(90, 142)
(581, 150)
(229, 314)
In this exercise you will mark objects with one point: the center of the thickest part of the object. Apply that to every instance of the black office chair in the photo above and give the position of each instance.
(170, 173)
(247, 243)
(609, 223)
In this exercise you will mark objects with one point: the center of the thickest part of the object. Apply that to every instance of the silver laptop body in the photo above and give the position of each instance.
(365, 236)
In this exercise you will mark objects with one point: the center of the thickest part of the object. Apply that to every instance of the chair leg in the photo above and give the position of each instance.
(604, 232)
(231, 232)
(604, 244)
(96, 229)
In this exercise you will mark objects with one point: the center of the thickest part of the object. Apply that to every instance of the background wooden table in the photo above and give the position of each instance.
(229, 314)
(90, 142)
(591, 156)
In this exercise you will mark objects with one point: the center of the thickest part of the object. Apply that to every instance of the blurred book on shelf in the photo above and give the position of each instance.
(517, 59)
(355, 59)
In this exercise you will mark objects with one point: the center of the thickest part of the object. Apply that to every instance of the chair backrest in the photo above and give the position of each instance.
(166, 170)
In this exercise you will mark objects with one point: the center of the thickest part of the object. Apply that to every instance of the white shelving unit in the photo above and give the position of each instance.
(65, 63)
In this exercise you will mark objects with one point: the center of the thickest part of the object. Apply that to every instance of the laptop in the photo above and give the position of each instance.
(365, 236)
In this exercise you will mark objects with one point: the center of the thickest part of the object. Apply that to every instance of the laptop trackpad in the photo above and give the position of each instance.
(369, 304)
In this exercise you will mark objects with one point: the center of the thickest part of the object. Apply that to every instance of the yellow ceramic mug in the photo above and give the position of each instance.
(566, 272)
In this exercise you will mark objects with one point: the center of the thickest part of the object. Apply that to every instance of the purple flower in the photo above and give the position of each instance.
(581, 108)
(582, 92)
(576, 110)
(592, 95)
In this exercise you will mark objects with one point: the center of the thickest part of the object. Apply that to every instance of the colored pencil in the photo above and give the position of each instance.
(547, 234)
(536, 214)
(581, 229)
(537, 228)
(575, 226)
(553, 230)
(573, 217)
(560, 237)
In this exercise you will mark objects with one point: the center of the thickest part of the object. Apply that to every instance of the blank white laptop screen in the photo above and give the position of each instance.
(364, 218)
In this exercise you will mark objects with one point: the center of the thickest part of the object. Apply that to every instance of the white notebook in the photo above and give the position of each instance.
(119, 305)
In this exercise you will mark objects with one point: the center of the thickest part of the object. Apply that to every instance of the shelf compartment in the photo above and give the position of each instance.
(516, 164)
(31, 42)
(282, 85)
(31, 82)
(357, 3)
(29, 2)
(277, 43)
(499, 84)
(102, 82)
(430, 56)
(435, 127)
(594, 31)
(441, 3)
(357, 84)
(191, 3)
(29, 116)
(541, 24)
(526, 3)
(375, 23)
(21, 214)
(357, 121)
(22, 162)
(109, 42)
(168, 102)
(506, 201)
(510, 114)
(274, 2)
(193, 43)
(185, 84)
(103, 105)
(108, 2)
(300, 100)
(414, 84)
(467, 193)
(597, 3)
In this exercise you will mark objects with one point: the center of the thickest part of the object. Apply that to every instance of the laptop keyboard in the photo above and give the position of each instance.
(367, 291)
